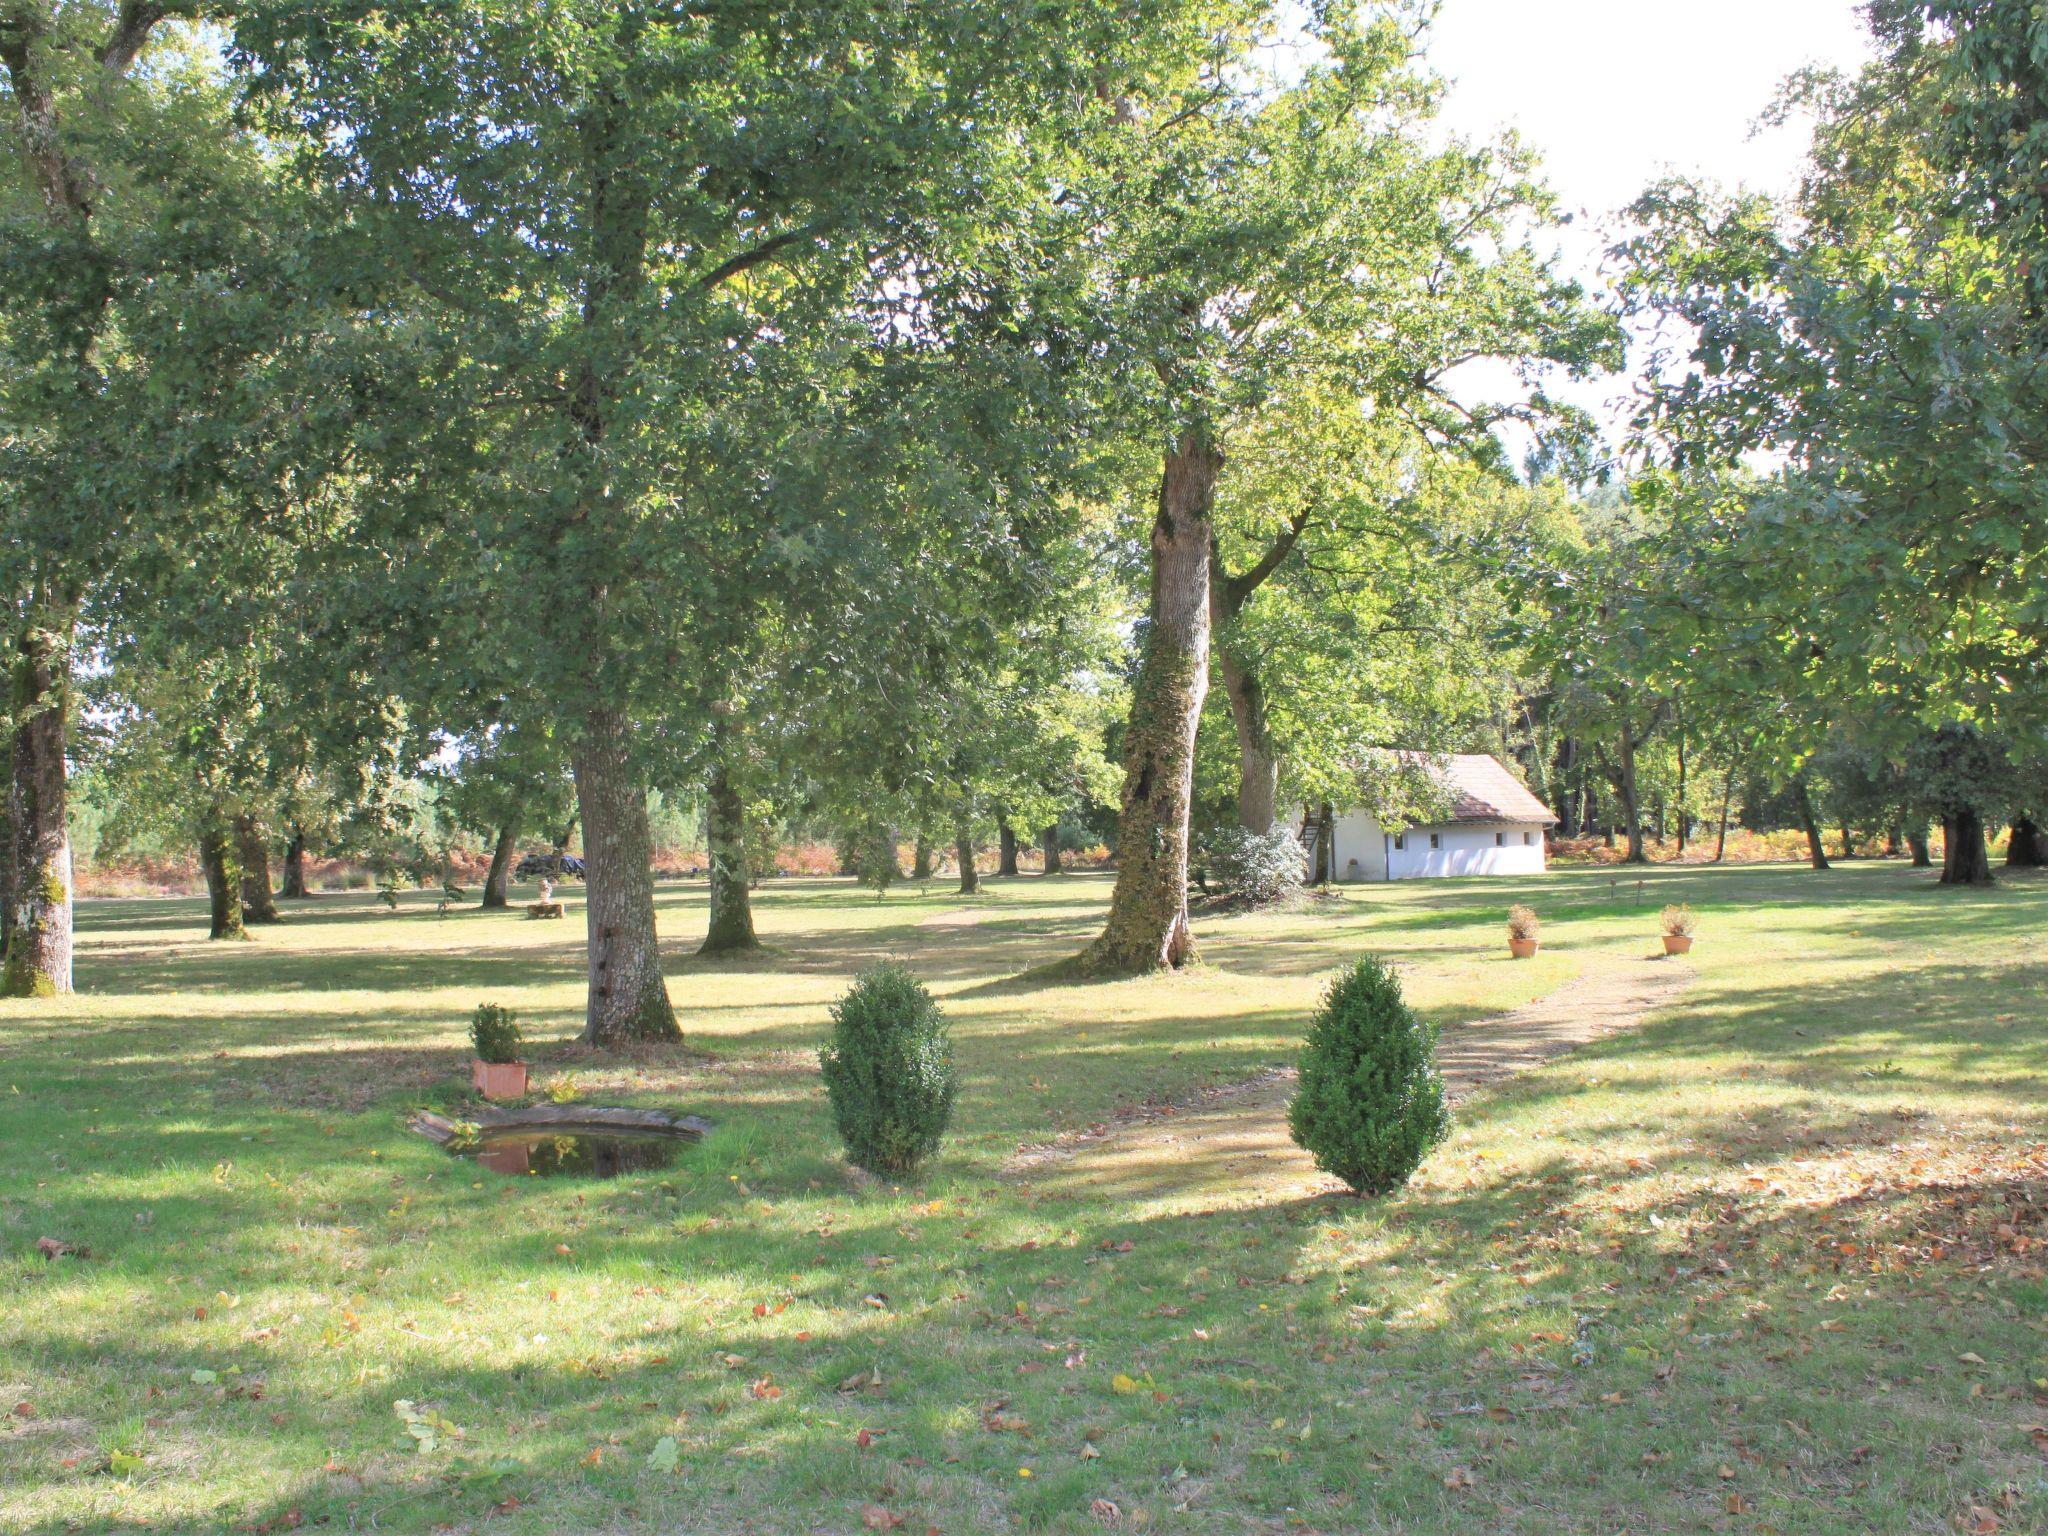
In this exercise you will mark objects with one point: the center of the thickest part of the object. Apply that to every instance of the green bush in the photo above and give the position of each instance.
(1371, 1104)
(1256, 868)
(495, 1033)
(889, 1071)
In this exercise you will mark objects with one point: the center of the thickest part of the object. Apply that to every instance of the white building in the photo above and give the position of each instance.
(1494, 827)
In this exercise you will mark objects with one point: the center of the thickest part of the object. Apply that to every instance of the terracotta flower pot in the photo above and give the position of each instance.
(1677, 943)
(1522, 949)
(499, 1079)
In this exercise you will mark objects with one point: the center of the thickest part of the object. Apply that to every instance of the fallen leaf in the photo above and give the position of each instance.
(665, 1455)
(1460, 1477)
(876, 1518)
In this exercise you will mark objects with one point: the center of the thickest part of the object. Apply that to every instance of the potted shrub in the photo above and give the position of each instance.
(1371, 1103)
(497, 1072)
(1524, 926)
(1679, 924)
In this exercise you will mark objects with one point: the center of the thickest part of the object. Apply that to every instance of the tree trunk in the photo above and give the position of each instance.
(38, 960)
(1049, 848)
(1623, 779)
(1258, 762)
(628, 999)
(223, 877)
(252, 852)
(1727, 801)
(1569, 798)
(1916, 839)
(1147, 928)
(1816, 852)
(725, 822)
(1848, 841)
(1965, 860)
(963, 853)
(2026, 848)
(497, 884)
(1326, 844)
(295, 866)
(7, 863)
(1678, 725)
(921, 857)
(1006, 850)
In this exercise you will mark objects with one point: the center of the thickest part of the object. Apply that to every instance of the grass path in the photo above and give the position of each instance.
(1230, 1146)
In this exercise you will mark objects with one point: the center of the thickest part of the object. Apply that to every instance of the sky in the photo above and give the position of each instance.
(1615, 93)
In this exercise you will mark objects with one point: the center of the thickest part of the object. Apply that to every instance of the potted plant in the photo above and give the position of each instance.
(497, 1072)
(1679, 924)
(1523, 927)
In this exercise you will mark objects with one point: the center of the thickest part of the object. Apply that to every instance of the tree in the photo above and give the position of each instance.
(625, 226)
(1963, 777)
(1254, 233)
(129, 201)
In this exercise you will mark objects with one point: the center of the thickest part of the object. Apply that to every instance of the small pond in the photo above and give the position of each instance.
(580, 1154)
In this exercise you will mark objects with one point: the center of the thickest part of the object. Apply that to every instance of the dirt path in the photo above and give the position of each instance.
(1231, 1147)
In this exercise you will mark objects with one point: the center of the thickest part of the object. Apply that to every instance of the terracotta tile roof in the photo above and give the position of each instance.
(1483, 790)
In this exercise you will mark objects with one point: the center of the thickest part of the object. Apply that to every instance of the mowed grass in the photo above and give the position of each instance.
(1768, 1263)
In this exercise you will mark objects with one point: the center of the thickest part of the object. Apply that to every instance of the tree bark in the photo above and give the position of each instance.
(38, 960)
(963, 853)
(223, 877)
(1258, 761)
(1965, 860)
(628, 999)
(295, 866)
(1816, 852)
(1147, 928)
(2026, 848)
(1678, 726)
(725, 822)
(1049, 848)
(1006, 849)
(1916, 839)
(1570, 799)
(1326, 845)
(252, 853)
(921, 857)
(498, 882)
(1727, 800)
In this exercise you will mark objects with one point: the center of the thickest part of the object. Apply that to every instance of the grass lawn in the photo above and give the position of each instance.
(1772, 1262)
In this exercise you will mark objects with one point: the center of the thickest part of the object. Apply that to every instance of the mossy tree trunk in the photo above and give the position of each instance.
(252, 852)
(38, 960)
(498, 879)
(223, 877)
(1258, 760)
(1147, 928)
(628, 999)
(725, 828)
(1965, 859)
(294, 888)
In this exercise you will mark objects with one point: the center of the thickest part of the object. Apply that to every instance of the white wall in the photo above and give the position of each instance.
(1364, 852)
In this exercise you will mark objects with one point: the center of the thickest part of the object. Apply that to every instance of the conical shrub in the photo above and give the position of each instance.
(1370, 1106)
(889, 1071)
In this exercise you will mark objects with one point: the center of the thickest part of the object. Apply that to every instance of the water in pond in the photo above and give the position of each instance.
(573, 1154)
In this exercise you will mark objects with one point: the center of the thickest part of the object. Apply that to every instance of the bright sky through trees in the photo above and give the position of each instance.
(1616, 93)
